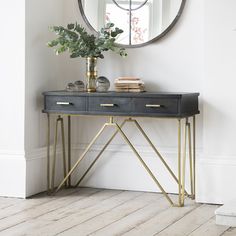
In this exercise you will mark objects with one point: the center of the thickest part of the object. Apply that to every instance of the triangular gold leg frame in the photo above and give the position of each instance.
(59, 120)
(181, 171)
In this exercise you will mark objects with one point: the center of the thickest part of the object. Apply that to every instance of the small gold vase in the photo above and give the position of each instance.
(91, 73)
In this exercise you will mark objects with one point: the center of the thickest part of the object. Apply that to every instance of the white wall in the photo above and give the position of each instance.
(44, 71)
(27, 68)
(217, 170)
(12, 74)
(12, 65)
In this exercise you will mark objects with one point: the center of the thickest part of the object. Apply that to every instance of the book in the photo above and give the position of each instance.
(128, 78)
(130, 90)
(129, 82)
(130, 86)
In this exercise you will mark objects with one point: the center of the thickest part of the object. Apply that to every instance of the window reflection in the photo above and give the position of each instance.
(141, 20)
(138, 23)
(120, 18)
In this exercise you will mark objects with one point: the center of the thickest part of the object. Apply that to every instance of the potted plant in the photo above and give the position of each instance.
(79, 43)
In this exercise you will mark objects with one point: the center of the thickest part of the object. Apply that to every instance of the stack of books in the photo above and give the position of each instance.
(129, 84)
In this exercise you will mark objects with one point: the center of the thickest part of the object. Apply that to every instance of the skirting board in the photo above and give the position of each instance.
(214, 183)
(121, 170)
(36, 171)
(115, 170)
(12, 174)
(216, 179)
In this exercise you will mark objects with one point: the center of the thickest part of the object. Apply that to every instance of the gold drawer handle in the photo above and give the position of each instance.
(64, 103)
(107, 105)
(153, 105)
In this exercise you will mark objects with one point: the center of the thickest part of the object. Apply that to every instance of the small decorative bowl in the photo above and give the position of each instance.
(102, 84)
(70, 87)
(79, 84)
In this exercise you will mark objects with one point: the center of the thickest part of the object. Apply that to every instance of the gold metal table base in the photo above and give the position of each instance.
(51, 171)
(180, 180)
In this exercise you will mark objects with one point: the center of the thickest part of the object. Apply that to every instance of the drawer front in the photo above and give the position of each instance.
(109, 104)
(65, 103)
(156, 105)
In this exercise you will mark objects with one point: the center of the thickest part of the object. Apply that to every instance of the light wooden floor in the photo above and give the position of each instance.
(87, 211)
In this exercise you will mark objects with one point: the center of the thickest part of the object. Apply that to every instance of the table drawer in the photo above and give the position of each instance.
(65, 103)
(109, 104)
(156, 105)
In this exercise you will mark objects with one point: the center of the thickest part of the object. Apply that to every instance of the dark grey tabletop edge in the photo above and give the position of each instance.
(118, 94)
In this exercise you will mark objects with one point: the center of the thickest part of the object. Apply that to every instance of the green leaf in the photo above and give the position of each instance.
(119, 31)
(79, 43)
(110, 25)
(70, 26)
(52, 43)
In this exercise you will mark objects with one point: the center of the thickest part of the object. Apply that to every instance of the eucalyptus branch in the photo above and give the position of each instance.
(79, 43)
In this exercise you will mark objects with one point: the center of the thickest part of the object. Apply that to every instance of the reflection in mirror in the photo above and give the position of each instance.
(141, 20)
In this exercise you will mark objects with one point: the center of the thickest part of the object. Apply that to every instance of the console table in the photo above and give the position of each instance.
(179, 106)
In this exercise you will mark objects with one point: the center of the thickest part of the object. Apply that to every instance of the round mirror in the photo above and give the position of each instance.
(143, 21)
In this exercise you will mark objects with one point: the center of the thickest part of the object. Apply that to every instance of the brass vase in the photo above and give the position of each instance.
(91, 73)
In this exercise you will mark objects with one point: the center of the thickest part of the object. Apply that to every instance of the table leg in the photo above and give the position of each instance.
(155, 150)
(63, 148)
(81, 157)
(182, 154)
(194, 157)
(69, 149)
(100, 153)
(59, 119)
(144, 164)
(190, 159)
(184, 162)
(179, 160)
(54, 155)
(48, 153)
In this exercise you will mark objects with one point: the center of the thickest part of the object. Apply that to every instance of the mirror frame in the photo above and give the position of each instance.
(167, 30)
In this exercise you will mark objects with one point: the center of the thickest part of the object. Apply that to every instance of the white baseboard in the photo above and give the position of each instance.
(36, 171)
(12, 174)
(216, 179)
(119, 168)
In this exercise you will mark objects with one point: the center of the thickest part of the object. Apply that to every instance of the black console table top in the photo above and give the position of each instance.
(147, 104)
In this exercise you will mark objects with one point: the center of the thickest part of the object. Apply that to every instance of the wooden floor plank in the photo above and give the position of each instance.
(86, 211)
(230, 232)
(113, 215)
(81, 214)
(65, 208)
(127, 223)
(210, 229)
(8, 202)
(190, 222)
(162, 220)
(42, 208)
(21, 205)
